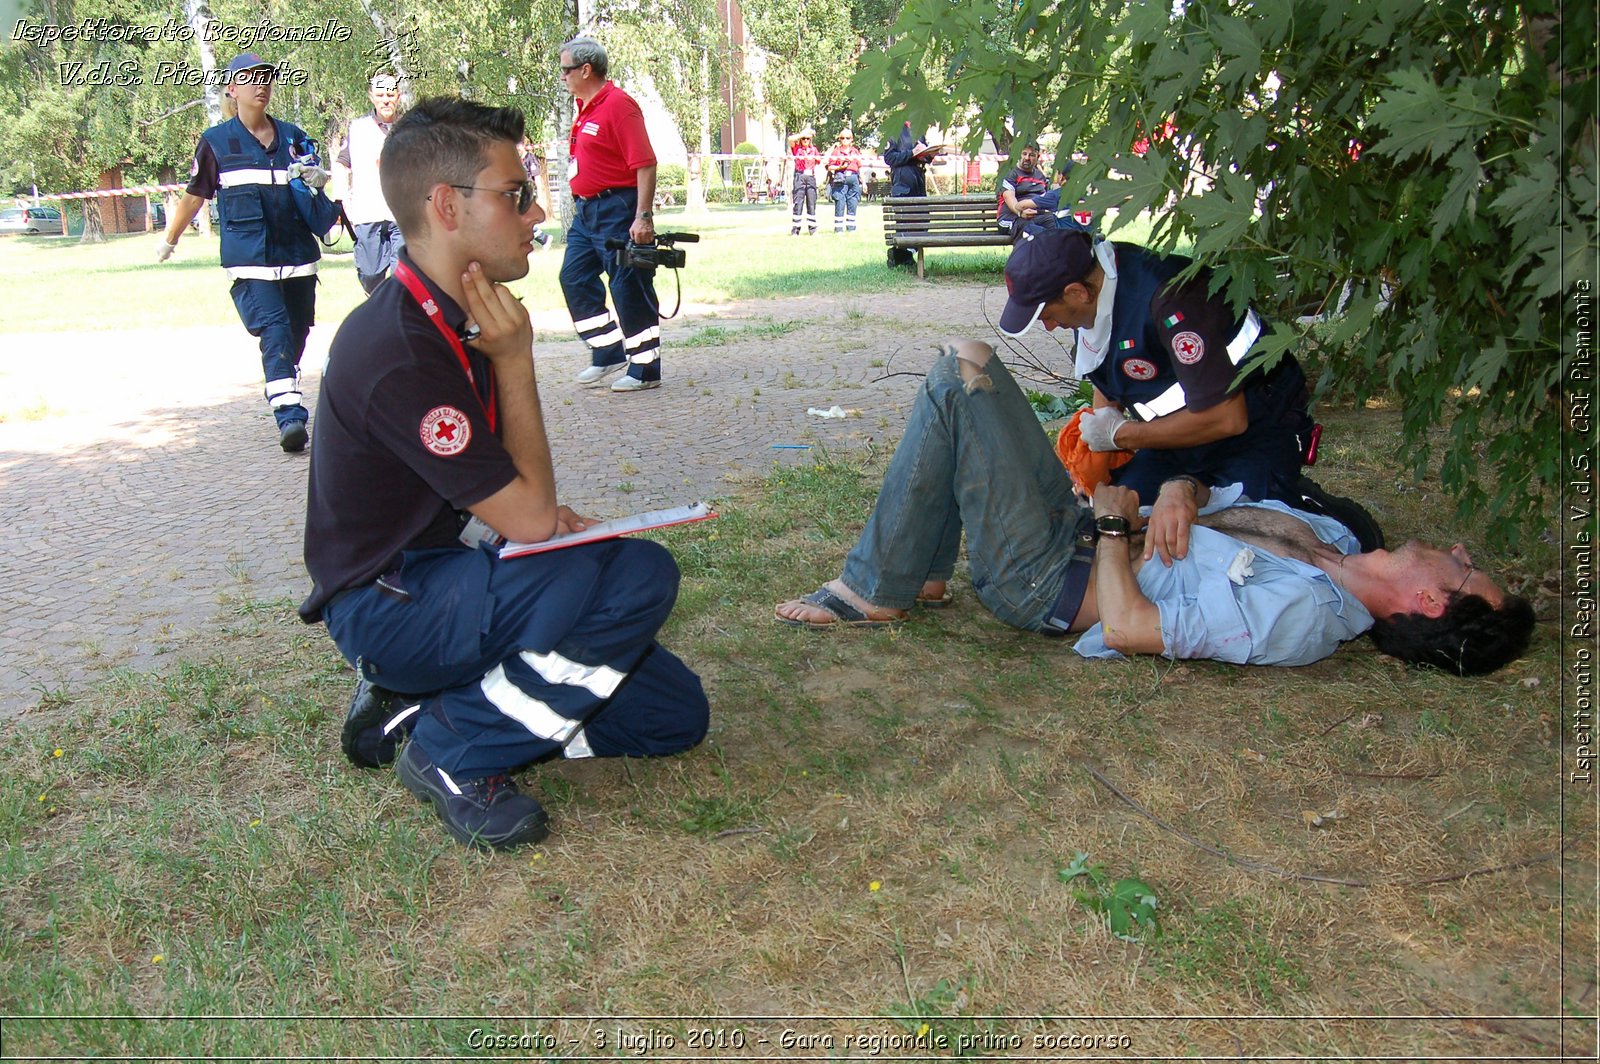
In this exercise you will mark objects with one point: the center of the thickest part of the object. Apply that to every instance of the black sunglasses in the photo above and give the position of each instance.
(524, 193)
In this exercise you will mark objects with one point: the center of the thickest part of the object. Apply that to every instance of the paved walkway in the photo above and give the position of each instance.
(145, 495)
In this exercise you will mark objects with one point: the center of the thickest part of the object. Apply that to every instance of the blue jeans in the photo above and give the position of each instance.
(846, 193)
(378, 245)
(977, 462)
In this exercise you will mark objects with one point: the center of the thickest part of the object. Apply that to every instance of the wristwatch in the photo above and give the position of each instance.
(1112, 526)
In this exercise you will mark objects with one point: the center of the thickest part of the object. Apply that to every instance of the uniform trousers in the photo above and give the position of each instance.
(526, 658)
(279, 314)
(634, 331)
(805, 201)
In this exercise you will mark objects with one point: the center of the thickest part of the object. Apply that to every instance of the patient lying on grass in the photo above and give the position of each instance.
(1204, 575)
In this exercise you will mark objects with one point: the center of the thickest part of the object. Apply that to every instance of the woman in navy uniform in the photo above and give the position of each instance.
(263, 173)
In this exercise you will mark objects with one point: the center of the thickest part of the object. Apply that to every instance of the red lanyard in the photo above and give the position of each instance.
(406, 276)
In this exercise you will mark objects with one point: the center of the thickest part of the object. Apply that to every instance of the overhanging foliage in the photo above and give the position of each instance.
(1423, 172)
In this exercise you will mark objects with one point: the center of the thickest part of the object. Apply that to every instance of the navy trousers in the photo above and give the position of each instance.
(531, 657)
(634, 331)
(279, 314)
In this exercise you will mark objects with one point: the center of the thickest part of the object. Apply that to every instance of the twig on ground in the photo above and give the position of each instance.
(1335, 724)
(1261, 866)
(756, 830)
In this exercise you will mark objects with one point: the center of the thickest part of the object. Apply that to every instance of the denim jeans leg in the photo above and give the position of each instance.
(981, 462)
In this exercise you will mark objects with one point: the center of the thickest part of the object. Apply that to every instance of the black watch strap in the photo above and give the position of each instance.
(1113, 526)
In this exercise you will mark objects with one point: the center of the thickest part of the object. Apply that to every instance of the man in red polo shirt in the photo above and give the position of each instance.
(613, 181)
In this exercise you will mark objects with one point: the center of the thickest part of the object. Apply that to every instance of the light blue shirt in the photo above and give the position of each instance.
(1270, 611)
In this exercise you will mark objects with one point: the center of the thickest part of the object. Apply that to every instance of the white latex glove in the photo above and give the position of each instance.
(1099, 428)
(313, 176)
(164, 250)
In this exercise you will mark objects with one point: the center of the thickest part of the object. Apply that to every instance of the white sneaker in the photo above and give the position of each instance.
(633, 384)
(595, 374)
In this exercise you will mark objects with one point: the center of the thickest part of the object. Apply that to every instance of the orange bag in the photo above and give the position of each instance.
(1089, 469)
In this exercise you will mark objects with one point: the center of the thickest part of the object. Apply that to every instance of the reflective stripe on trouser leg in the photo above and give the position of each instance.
(284, 392)
(598, 331)
(539, 716)
(633, 293)
(585, 260)
(645, 347)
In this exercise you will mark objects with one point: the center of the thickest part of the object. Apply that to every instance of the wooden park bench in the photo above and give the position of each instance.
(923, 222)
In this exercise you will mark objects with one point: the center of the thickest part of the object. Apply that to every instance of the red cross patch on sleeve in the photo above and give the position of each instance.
(445, 431)
(1188, 347)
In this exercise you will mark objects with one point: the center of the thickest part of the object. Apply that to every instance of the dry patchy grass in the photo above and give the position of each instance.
(875, 827)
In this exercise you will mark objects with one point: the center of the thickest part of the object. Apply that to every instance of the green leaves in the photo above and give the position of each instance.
(1128, 905)
(1438, 151)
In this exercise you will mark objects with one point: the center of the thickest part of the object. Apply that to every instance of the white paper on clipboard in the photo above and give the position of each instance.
(617, 526)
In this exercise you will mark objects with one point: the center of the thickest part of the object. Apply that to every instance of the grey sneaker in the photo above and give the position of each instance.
(595, 374)
(633, 384)
(490, 812)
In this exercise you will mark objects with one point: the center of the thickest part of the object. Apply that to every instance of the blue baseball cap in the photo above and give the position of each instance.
(245, 61)
(1041, 266)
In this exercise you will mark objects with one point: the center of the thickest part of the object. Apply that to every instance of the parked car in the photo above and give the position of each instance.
(30, 220)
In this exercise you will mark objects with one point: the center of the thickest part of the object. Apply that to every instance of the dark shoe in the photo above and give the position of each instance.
(490, 812)
(292, 436)
(1348, 512)
(378, 719)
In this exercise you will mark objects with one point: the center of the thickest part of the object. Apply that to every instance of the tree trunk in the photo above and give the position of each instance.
(564, 116)
(198, 14)
(397, 58)
(94, 226)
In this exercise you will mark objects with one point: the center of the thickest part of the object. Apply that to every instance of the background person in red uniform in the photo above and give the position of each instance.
(806, 158)
(844, 181)
(613, 181)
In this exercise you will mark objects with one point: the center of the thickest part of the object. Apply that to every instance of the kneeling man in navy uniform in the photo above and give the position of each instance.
(431, 446)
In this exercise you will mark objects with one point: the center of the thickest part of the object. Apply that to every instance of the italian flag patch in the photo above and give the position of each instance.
(1177, 316)
(1124, 345)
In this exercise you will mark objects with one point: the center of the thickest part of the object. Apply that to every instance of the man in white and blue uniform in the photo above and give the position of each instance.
(257, 167)
(1163, 359)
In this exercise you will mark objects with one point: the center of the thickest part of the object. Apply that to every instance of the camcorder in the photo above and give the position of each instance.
(649, 256)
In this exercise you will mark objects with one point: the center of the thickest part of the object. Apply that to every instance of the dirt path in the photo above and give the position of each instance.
(146, 498)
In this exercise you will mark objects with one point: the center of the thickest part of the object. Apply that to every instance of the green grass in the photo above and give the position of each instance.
(744, 253)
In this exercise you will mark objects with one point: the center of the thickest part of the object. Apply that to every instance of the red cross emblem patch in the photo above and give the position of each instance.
(445, 431)
(1188, 348)
(1139, 369)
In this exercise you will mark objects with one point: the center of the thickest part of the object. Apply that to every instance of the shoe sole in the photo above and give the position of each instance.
(293, 438)
(645, 387)
(527, 831)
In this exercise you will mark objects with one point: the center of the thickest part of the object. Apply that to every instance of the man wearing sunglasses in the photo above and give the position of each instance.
(613, 184)
(268, 249)
(431, 447)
